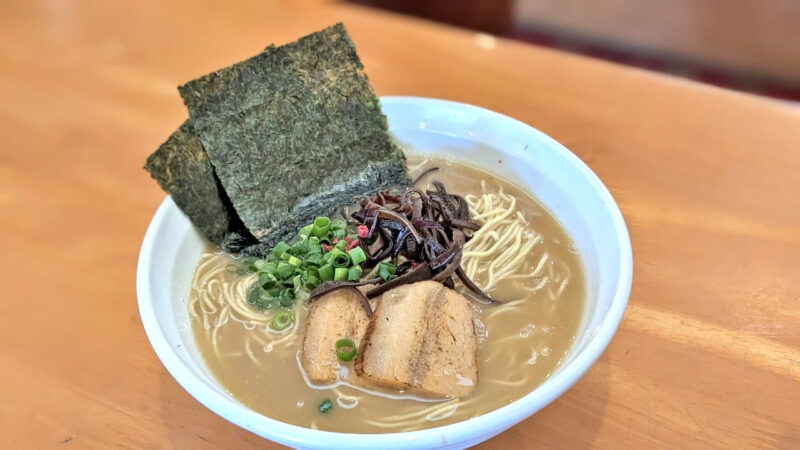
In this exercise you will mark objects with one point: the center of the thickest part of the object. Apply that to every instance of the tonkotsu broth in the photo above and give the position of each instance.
(521, 346)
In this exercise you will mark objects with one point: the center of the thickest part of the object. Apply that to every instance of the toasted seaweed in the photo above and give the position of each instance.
(182, 168)
(294, 132)
(366, 181)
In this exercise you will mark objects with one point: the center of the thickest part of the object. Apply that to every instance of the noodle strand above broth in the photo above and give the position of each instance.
(521, 255)
(501, 249)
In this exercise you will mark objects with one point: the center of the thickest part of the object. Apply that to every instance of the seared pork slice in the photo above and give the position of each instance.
(337, 315)
(422, 339)
(394, 337)
(447, 364)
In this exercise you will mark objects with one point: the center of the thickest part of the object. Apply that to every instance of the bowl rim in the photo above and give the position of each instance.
(492, 422)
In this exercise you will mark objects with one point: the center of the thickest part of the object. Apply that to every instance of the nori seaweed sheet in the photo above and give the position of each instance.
(182, 168)
(294, 132)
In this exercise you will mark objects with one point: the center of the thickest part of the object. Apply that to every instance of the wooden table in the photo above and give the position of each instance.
(708, 180)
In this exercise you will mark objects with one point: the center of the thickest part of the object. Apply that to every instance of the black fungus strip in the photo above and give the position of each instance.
(330, 286)
(428, 229)
(422, 175)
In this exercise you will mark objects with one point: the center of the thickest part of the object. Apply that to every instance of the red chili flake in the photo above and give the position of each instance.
(363, 231)
(414, 264)
(353, 244)
(326, 247)
(335, 241)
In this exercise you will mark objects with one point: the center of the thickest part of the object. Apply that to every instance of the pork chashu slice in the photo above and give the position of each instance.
(422, 339)
(337, 315)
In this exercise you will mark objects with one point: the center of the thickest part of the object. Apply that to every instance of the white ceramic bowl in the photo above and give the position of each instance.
(509, 148)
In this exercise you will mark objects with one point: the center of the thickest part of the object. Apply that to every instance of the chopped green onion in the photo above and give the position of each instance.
(340, 274)
(282, 320)
(326, 272)
(297, 282)
(306, 230)
(345, 349)
(314, 259)
(325, 406)
(266, 281)
(312, 282)
(255, 294)
(357, 255)
(300, 248)
(386, 270)
(354, 274)
(270, 268)
(295, 267)
(321, 226)
(287, 294)
(285, 270)
(341, 260)
(279, 249)
(326, 257)
(295, 261)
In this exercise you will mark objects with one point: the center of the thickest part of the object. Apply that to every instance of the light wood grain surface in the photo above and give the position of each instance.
(708, 180)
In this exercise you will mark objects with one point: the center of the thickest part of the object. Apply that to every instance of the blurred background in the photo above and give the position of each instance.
(747, 45)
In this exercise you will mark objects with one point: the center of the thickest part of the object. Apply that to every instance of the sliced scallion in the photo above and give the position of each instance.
(287, 294)
(326, 257)
(270, 268)
(306, 230)
(255, 294)
(326, 272)
(312, 282)
(285, 270)
(340, 274)
(345, 349)
(386, 270)
(297, 282)
(266, 281)
(295, 261)
(321, 226)
(354, 273)
(282, 320)
(325, 406)
(357, 255)
(341, 260)
(300, 248)
(314, 259)
(279, 249)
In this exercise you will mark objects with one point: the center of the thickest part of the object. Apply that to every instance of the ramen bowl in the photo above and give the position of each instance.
(503, 146)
